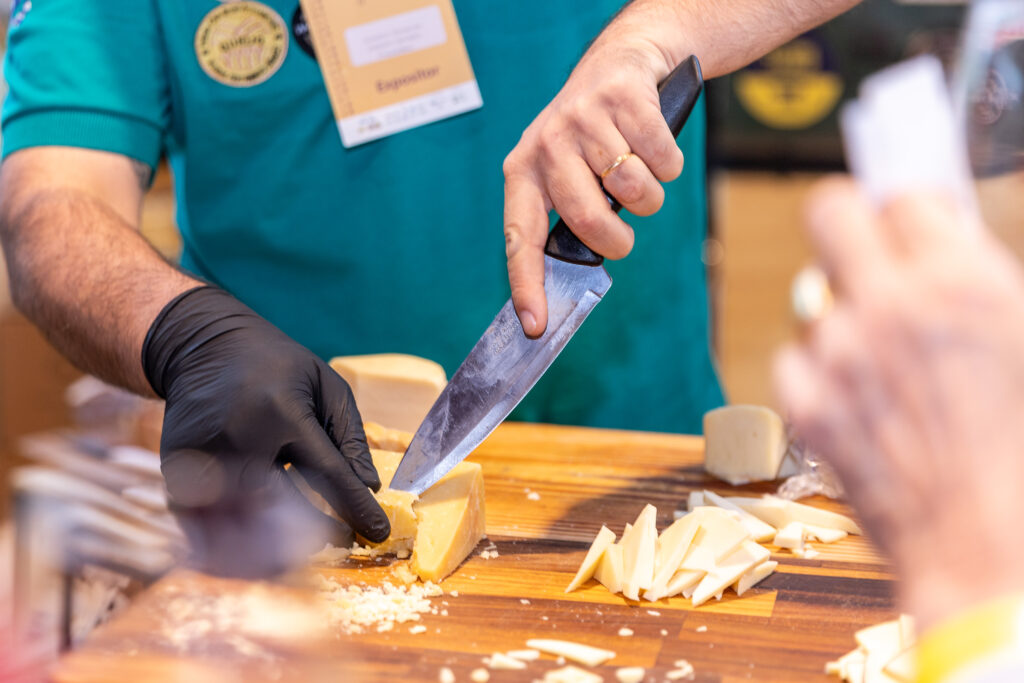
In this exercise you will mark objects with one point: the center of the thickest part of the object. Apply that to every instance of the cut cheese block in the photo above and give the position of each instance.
(760, 531)
(609, 570)
(392, 389)
(382, 438)
(448, 518)
(743, 443)
(779, 512)
(754, 576)
(791, 536)
(747, 556)
(638, 544)
(604, 538)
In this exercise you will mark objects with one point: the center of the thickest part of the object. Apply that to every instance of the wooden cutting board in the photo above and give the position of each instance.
(783, 630)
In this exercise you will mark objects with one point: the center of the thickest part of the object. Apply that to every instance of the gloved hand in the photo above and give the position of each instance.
(243, 399)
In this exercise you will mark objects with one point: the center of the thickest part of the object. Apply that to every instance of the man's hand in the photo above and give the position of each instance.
(244, 400)
(608, 111)
(913, 388)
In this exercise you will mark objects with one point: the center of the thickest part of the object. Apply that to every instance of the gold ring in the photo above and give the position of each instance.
(811, 295)
(619, 160)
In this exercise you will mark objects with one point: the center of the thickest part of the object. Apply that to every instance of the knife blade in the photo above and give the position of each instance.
(505, 364)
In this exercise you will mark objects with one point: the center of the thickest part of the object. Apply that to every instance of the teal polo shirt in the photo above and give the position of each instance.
(392, 246)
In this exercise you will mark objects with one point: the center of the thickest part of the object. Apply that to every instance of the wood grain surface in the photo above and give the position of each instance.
(783, 630)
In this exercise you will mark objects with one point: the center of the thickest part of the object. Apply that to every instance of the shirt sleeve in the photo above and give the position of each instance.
(86, 73)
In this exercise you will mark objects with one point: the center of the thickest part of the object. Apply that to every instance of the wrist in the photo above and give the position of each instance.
(161, 346)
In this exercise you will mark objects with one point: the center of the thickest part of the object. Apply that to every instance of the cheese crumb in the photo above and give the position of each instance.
(479, 675)
(683, 670)
(499, 661)
(524, 655)
(702, 629)
(625, 632)
(445, 675)
(357, 608)
(654, 613)
(454, 594)
(664, 632)
(630, 674)
(533, 495)
(524, 601)
(418, 628)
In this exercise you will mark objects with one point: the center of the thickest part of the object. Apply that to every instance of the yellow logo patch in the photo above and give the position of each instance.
(241, 43)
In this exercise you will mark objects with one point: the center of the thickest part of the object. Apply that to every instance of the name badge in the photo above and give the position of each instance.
(391, 65)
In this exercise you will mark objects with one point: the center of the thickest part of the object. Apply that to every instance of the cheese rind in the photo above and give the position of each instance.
(743, 443)
(393, 389)
(448, 517)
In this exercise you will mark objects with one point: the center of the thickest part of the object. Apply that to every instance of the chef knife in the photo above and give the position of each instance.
(505, 364)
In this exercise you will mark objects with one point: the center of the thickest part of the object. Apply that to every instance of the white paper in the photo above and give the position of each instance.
(396, 35)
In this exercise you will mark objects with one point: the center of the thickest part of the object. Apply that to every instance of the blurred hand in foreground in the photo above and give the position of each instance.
(913, 388)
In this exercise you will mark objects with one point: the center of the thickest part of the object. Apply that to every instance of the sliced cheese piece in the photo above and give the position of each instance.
(448, 517)
(604, 538)
(743, 443)
(779, 512)
(392, 389)
(754, 576)
(609, 570)
(577, 652)
(524, 655)
(903, 667)
(670, 548)
(698, 558)
(570, 674)
(791, 536)
(760, 531)
(385, 439)
(682, 581)
(748, 555)
(824, 534)
(499, 661)
(638, 553)
(630, 674)
(723, 534)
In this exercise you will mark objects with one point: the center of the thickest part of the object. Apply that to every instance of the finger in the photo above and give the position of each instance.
(316, 459)
(649, 137)
(922, 223)
(577, 197)
(635, 187)
(344, 426)
(847, 234)
(526, 229)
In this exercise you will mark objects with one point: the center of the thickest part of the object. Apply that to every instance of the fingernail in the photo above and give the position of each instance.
(529, 323)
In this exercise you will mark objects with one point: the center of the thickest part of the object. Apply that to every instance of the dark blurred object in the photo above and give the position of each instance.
(780, 113)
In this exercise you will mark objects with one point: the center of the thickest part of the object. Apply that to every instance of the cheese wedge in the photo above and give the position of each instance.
(448, 518)
(723, 534)
(604, 538)
(609, 570)
(392, 389)
(779, 512)
(747, 556)
(760, 531)
(638, 553)
(754, 576)
(743, 443)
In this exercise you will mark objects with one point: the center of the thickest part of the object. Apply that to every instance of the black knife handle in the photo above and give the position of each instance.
(678, 94)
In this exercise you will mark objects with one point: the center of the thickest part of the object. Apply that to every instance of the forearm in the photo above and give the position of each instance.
(87, 278)
(724, 34)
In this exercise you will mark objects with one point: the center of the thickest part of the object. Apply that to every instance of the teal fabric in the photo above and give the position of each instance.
(392, 246)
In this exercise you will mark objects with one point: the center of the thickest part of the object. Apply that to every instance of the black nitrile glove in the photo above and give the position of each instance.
(243, 399)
